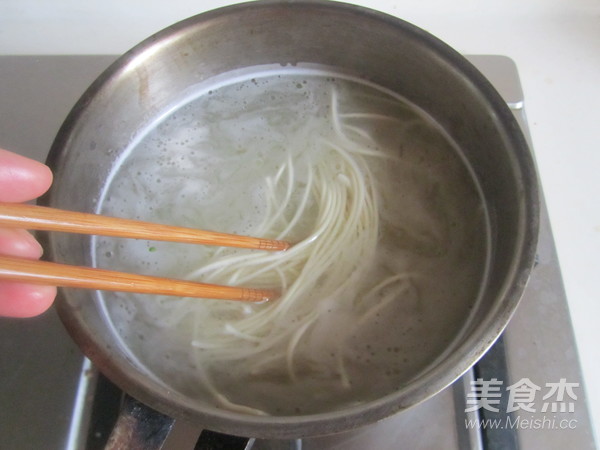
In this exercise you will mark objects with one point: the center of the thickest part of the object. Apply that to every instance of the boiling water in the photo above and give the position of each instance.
(237, 155)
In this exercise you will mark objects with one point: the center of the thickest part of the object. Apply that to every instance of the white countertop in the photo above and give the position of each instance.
(555, 44)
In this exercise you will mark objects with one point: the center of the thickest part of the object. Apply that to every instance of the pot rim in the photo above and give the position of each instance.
(433, 380)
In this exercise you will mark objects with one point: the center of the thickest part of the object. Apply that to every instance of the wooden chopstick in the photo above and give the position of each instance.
(50, 219)
(43, 272)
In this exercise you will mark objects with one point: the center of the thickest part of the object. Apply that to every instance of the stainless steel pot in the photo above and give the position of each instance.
(379, 48)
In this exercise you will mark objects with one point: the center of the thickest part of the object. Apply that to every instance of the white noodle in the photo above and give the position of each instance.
(346, 228)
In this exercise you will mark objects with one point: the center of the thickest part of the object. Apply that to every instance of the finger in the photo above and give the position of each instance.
(21, 178)
(24, 300)
(17, 242)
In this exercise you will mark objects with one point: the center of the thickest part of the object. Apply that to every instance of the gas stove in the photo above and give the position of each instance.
(527, 391)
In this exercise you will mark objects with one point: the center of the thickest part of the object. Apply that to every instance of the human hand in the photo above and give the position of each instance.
(22, 179)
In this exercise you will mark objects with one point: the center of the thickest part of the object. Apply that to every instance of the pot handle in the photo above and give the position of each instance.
(139, 427)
